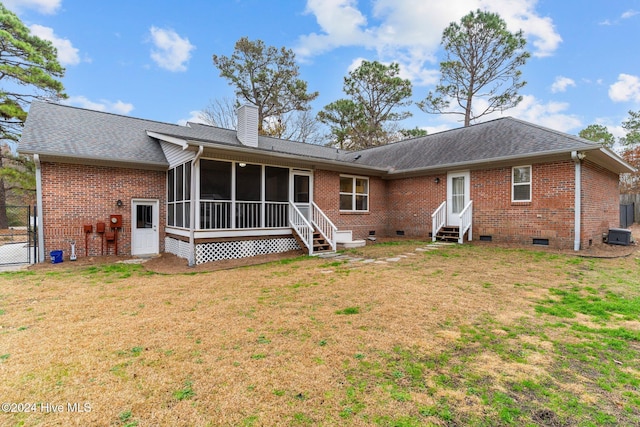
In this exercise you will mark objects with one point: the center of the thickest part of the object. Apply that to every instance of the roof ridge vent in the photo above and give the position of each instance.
(248, 125)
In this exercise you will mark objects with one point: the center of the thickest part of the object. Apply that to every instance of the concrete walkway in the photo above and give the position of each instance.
(14, 255)
(356, 260)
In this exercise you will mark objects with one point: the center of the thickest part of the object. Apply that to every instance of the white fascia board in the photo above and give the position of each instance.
(616, 158)
(171, 139)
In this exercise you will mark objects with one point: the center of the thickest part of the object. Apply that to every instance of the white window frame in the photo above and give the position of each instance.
(354, 194)
(514, 184)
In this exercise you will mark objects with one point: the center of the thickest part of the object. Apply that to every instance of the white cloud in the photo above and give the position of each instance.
(67, 54)
(561, 84)
(551, 114)
(625, 15)
(117, 107)
(409, 31)
(521, 14)
(171, 51)
(627, 88)
(439, 128)
(195, 117)
(46, 7)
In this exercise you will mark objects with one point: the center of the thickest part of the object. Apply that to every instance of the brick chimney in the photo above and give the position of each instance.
(248, 125)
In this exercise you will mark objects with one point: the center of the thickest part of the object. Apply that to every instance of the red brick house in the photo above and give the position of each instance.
(502, 181)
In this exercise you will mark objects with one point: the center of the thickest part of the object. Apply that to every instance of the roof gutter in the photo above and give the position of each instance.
(195, 165)
(315, 160)
(38, 214)
(75, 159)
(577, 158)
(482, 162)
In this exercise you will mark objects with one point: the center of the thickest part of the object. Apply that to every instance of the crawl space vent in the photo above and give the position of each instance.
(543, 242)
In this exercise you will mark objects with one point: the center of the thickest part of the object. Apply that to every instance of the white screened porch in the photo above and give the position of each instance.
(271, 206)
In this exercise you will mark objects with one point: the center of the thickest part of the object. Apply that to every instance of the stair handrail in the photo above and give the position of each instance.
(324, 225)
(466, 221)
(438, 219)
(301, 225)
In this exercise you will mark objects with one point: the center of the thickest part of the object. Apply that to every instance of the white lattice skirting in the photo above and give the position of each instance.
(176, 247)
(216, 251)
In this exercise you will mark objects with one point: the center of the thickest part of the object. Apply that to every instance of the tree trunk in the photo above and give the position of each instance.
(4, 220)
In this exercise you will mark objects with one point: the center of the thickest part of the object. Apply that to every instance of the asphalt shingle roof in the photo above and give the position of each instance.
(57, 130)
(74, 132)
(60, 130)
(492, 140)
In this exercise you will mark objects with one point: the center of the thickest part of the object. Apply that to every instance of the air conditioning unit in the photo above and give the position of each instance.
(619, 236)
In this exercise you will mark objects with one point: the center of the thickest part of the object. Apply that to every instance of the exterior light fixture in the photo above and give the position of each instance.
(119, 203)
(242, 165)
(437, 180)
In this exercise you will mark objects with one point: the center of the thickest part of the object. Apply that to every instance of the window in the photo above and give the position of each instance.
(457, 194)
(354, 193)
(178, 195)
(521, 184)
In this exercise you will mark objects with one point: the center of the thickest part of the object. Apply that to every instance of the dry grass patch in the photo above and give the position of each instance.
(434, 338)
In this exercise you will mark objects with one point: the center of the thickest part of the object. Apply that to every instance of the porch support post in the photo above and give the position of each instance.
(577, 159)
(193, 202)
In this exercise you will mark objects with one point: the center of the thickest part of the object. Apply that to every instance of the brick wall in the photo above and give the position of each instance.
(75, 195)
(407, 204)
(549, 215)
(326, 194)
(600, 203)
(412, 201)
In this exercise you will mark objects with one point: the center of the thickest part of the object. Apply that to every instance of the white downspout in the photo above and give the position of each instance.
(577, 159)
(192, 211)
(39, 223)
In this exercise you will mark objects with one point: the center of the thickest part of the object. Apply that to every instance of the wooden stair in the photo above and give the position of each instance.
(448, 234)
(320, 244)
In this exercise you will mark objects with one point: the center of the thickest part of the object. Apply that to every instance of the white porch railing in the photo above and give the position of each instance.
(248, 214)
(324, 225)
(466, 220)
(301, 226)
(216, 215)
(438, 220)
(275, 214)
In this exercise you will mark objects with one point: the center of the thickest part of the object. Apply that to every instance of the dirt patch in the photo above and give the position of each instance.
(171, 264)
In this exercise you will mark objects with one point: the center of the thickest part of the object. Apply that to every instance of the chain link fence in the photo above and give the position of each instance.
(18, 237)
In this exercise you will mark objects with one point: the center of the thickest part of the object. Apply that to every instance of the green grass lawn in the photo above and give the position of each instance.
(463, 335)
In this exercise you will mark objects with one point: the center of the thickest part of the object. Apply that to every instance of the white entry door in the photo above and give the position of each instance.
(301, 192)
(457, 195)
(144, 227)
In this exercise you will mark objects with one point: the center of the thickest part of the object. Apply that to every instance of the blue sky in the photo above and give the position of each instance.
(152, 59)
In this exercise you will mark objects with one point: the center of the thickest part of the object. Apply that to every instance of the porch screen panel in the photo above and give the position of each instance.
(248, 196)
(457, 194)
(276, 184)
(276, 192)
(178, 195)
(215, 195)
(171, 197)
(215, 180)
